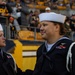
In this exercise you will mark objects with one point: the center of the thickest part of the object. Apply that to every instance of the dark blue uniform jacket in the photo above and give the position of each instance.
(54, 61)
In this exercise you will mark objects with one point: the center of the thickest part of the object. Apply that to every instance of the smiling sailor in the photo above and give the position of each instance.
(51, 55)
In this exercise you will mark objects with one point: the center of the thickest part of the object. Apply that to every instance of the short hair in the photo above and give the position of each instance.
(62, 28)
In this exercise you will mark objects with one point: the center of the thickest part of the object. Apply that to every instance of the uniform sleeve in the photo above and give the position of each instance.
(27, 72)
(73, 60)
(19, 71)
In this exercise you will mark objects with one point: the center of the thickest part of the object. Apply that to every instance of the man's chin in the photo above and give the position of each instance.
(43, 38)
(4, 45)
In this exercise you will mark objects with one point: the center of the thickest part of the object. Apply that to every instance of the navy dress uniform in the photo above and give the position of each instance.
(7, 62)
(53, 62)
(8, 65)
(51, 55)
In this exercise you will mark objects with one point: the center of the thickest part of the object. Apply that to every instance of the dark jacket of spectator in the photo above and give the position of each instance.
(5, 14)
(24, 12)
(72, 24)
(6, 6)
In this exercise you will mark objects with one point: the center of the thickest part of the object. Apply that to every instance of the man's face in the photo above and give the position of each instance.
(48, 30)
(2, 39)
(73, 17)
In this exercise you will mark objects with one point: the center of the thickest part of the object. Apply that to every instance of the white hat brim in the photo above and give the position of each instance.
(52, 17)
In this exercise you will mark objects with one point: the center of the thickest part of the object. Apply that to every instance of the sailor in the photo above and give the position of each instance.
(51, 55)
(7, 62)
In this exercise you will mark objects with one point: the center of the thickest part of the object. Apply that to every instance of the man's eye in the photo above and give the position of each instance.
(44, 24)
(1, 35)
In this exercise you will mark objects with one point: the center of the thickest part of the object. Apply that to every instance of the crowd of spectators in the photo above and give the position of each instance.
(53, 4)
(18, 13)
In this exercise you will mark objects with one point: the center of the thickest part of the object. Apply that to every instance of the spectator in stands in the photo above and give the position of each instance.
(23, 12)
(68, 6)
(47, 9)
(15, 15)
(11, 2)
(67, 27)
(71, 3)
(72, 26)
(4, 14)
(12, 27)
(7, 62)
(6, 7)
(34, 20)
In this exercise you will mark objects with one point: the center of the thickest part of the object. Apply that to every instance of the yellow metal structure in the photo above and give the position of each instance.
(18, 53)
(29, 60)
(25, 55)
(29, 35)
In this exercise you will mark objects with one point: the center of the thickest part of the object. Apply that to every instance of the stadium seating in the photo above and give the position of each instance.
(29, 35)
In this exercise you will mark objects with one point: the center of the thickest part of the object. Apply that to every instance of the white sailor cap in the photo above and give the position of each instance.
(1, 29)
(47, 8)
(54, 17)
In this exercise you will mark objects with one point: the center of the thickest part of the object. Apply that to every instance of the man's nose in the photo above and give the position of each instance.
(41, 27)
(4, 38)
